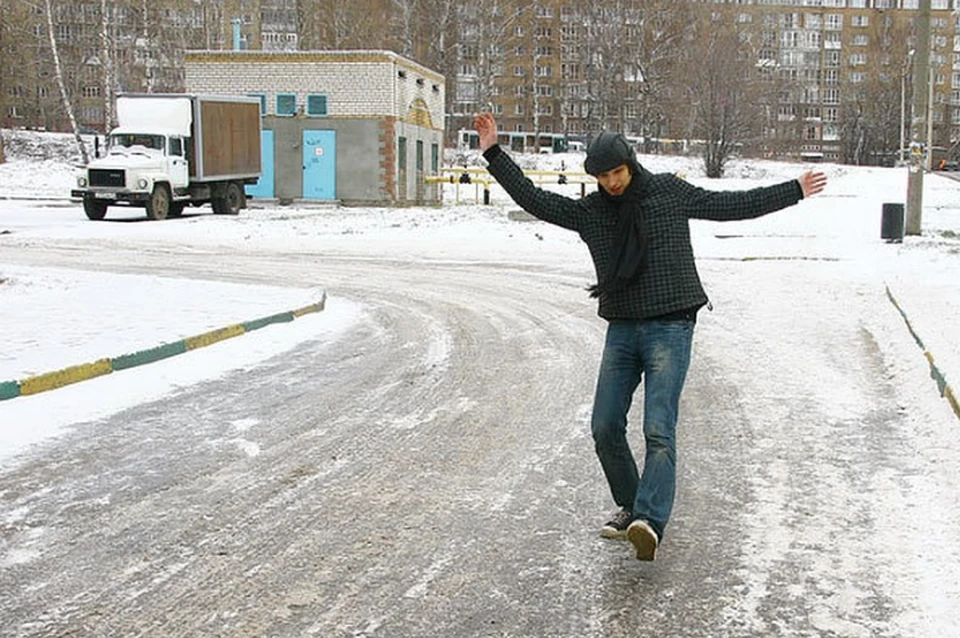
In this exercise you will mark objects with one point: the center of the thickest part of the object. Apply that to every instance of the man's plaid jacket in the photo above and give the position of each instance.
(669, 283)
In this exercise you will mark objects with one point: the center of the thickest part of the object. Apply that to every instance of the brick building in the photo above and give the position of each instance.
(352, 126)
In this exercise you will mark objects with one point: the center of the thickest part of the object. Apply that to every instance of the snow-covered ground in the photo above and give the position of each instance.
(53, 318)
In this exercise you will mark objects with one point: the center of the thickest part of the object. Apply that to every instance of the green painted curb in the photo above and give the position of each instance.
(148, 356)
(935, 373)
(84, 371)
(256, 324)
(9, 390)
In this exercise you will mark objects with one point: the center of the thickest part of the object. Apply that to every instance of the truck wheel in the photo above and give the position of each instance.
(158, 206)
(231, 202)
(95, 210)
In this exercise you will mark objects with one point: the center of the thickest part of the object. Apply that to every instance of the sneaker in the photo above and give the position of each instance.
(644, 539)
(616, 527)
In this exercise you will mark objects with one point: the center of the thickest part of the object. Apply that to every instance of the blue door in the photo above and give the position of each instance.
(319, 165)
(264, 187)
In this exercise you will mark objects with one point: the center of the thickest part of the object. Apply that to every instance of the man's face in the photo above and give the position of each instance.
(616, 180)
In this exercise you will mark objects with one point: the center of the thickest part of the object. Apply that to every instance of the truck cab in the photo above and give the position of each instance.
(166, 151)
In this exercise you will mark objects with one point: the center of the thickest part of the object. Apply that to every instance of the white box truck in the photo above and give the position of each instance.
(174, 150)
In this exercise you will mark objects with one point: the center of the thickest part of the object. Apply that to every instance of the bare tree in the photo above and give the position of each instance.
(603, 60)
(9, 41)
(871, 94)
(106, 60)
(489, 33)
(661, 25)
(628, 52)
(437, 31)
(404, 22)
(437, 39)
(58, 71)
(720, 84)
(344, 25)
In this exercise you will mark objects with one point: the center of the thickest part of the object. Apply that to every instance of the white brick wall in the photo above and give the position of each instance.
(357, 84)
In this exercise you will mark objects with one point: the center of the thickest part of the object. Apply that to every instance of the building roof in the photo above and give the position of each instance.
(345, 56)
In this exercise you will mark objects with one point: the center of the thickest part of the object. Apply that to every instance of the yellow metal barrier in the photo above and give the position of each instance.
(457, 180)
(480, 177)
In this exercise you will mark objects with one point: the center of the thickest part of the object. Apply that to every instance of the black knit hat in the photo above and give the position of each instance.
(607, 151)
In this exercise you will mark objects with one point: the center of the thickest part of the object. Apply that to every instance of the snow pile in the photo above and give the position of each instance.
(35, 146)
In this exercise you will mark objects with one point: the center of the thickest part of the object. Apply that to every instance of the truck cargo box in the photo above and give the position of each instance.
(224, 142)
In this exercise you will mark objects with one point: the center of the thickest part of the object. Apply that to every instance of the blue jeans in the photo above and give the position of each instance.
(659, 353)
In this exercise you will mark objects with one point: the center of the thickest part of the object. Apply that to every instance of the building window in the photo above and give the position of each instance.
(858, 59)
(263, 102)
(466, 92)
(419, 158)
(402, 153)
(286, 104)
(316, 105)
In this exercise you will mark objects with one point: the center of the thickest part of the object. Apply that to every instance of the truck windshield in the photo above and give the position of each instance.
(129, 140)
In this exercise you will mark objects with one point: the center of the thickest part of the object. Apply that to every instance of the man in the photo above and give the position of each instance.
(636, 227)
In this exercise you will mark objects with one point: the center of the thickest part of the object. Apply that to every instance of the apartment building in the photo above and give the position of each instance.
(139, 46)
(558, 68)
(837, 71)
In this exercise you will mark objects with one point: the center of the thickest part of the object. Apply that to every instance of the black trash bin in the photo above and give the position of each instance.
(891, 223)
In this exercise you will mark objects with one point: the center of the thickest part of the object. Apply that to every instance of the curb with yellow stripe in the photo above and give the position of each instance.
(82, 372)
(935, 373)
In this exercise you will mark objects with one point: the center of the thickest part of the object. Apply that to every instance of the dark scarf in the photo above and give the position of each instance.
(630, 242)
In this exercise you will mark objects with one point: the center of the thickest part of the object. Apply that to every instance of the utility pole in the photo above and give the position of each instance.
(919, 152)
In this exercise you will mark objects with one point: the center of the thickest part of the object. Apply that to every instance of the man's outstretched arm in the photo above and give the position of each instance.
(549, 206)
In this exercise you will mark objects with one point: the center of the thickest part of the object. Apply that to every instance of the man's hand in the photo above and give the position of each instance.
(812, 183)
(486, 128)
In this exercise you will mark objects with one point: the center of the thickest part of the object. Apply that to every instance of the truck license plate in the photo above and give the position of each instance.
(106, 195)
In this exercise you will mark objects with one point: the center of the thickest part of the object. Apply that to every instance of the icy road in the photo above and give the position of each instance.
(431, 472)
